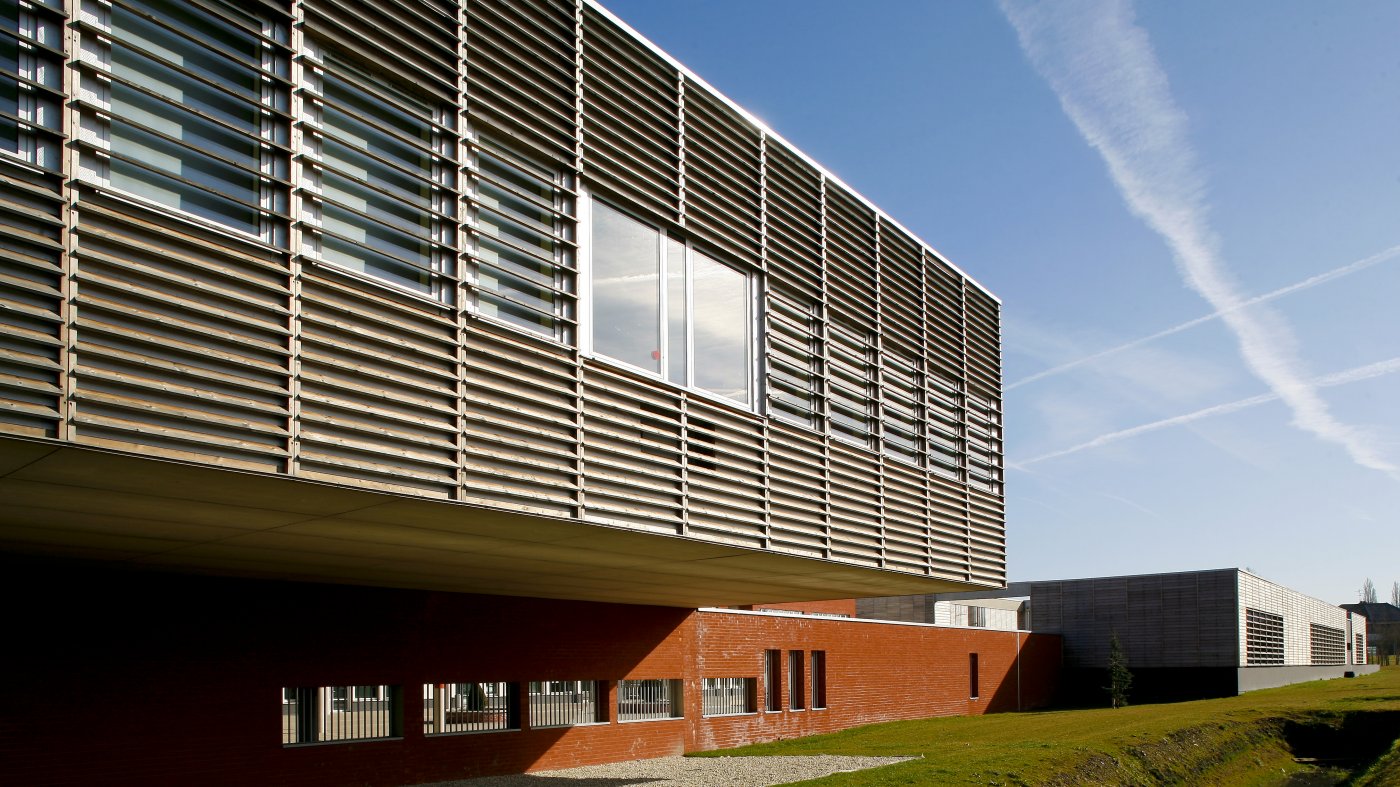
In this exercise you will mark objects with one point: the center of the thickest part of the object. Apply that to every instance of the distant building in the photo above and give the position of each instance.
(1382, 630)
(997, 614)
(1187, 635)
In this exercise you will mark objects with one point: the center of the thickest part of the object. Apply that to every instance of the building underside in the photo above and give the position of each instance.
(142, 513)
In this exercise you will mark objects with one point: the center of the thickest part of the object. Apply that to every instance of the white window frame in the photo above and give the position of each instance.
(753, 291)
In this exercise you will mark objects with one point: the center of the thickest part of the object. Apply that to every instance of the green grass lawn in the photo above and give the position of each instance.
(1142, 744)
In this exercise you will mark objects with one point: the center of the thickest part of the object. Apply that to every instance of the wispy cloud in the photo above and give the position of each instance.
(1105, 73)
(1308, 283)
(1358, 374)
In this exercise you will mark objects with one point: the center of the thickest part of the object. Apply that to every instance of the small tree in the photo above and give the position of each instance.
(1368, 592)
(1120, 679)
(1395, 594)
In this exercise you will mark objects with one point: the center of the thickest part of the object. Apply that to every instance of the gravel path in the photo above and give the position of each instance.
(686, 772)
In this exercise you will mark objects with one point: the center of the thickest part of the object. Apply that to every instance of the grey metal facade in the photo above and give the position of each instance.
(346, 243)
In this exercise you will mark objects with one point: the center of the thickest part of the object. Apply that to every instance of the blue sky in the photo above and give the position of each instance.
(1114, 171)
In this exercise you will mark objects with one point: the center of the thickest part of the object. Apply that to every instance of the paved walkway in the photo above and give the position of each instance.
(686, 772)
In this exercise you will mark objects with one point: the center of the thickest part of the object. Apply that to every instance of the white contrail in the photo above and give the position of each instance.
(1308, 283)
(1103, 69)
(1367, 372)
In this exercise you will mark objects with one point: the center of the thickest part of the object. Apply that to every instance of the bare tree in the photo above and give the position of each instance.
(1395, 594)
(1368, 592)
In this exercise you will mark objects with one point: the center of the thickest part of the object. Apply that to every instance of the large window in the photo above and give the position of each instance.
(188, 108)
(380, 176)
(665, 308)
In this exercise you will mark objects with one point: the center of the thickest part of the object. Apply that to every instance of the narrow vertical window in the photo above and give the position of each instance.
(903, 409)
(852, 379)
(973, 690)
(721, 327)
(794, 361)
(797, 686)
(523, 247)
(818, 679)
(945, 444)
(772, 680)
(677, 301)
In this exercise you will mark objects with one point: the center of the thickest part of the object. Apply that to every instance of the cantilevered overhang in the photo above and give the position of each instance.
(59, 500)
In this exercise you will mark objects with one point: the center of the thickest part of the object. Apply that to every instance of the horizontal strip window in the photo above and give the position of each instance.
(566, 703)
(648, 700)
(523, 250)
(729, 696)
(470, 707)
(326, 714)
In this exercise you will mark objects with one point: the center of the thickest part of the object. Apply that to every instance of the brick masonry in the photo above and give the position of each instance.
(163, 679)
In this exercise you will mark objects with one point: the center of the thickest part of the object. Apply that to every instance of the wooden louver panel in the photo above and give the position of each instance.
(418, 36)
(31, 222)
(379, 388)
(632, 444)
(901, 290)
(631, 118)
(850, 257)
(521, 73)
(31, 298)
(722, 176)
(793, 199)
(725, 467)
(798, 491)
(856, 516)
(943, 303)
(183, 340)
(520, 422)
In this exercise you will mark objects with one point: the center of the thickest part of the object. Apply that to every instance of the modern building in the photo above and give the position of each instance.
(1186, 635)
(450, 297)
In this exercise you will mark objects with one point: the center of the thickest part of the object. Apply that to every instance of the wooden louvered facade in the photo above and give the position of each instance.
(437, 355)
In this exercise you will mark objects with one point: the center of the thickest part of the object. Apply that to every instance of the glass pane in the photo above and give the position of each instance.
(721, 329)
(675, 312)
(626, 300)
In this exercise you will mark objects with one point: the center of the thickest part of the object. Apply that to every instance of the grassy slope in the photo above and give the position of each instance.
(1138, 744)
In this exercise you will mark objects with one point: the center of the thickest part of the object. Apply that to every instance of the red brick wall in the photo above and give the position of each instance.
(836, 606)
(162, 679)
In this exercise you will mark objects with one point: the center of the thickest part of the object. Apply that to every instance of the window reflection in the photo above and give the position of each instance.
(696, 329)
